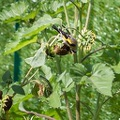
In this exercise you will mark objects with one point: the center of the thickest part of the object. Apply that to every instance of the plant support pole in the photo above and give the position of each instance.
(16, 59)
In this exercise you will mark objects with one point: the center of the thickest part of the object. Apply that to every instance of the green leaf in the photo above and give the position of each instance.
(67, 81)
(7, 77)
(30, 15)
(14, 46)
(47, 71)
(14, 12)
(20, 98)
(56, 5)
(84, 1)
(59, 7)
(102, 77)
(61, 76)
(54, 100)
(67, 89)
(38, 59)
(77, 71)
(40, 25)
(18, 89)
(25, 36)
(21, 107)
(116, 68)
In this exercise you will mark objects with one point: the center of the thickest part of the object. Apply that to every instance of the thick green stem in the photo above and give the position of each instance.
(97, 108)
(58, 60)
(66, 15)
(67, 106)
(76, 20)
(78, 16)
(65, 94)
(77, 102)
(88, 15)
(80, 19)
(75, 58)
(75, 27)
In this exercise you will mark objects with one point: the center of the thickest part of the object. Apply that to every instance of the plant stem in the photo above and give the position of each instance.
(99, 105)
(33, 75)
(65, 94)
(24, 79)
(110, 97)
(76, 20)
(75, 58)
(88, 15)
(78, 102)
(88, 108)
(67, 106)
(80, 19)
(66, 15)
(7, 116)
(39, 115)
(28, 73)
(58, 60)
(25, 82)
(78, 16)
(97, 109)
(75, 26)
(84, 58)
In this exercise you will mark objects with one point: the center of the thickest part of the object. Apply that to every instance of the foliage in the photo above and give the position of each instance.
(58, 83)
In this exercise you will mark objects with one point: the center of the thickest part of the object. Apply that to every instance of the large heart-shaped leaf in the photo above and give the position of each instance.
(102, 77)
(37, 60)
